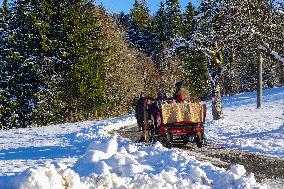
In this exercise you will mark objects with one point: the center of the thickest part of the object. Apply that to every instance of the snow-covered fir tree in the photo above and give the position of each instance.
(137, 32)
(159, 30)
(20, 60)
(173, 18)
(188, 21)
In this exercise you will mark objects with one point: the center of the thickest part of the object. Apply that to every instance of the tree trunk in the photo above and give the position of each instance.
(217, 110)
(259, 82)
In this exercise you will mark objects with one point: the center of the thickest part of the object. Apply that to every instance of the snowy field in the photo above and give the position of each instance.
(250, 129)
(85, 155)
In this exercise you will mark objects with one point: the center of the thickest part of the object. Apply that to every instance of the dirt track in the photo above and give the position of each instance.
(265, 168)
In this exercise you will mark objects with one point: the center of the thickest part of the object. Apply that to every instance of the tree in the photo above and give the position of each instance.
(188, 21)
(53, 62)
(5, 6)
(89, 58)
(122, 20)
(195, 67)
(128, 71)
(195, 71)
(173, 19)
(4, 94)
(159, 31)
(137, 32)
(20, 57)
(222, 28)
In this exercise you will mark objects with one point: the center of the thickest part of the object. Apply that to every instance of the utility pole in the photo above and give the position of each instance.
(259, 81)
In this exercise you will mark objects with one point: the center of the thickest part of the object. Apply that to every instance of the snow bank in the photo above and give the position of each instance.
(107, 164)
(53, 176)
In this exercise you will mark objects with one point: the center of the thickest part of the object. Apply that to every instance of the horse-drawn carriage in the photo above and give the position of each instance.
(171, 123)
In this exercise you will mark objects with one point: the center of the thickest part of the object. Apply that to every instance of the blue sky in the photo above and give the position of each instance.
(125, 5)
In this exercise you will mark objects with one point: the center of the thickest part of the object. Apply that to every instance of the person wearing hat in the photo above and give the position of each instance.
(181, 93)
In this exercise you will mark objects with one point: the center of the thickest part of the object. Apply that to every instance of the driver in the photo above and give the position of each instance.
(181, 93)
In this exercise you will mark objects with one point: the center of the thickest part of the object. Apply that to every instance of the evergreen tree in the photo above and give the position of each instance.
(5, 6)
(173, 19)
(21, 62)
(4, 95)
(2, 23)
(188, 21)
(195, 72)
(194, 60)
(122, 20)
(159, 31)
(90, 65)
(54, 62)
(75, 49)
(138, 33)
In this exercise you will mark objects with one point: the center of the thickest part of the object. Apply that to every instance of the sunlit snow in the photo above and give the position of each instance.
(85, 155)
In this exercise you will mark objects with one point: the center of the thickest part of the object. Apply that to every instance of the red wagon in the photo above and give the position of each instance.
(172, 123)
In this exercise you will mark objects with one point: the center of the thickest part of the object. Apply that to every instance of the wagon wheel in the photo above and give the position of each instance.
(167, 143)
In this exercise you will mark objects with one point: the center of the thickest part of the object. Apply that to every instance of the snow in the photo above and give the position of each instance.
(134, 167)
(250, 129)
(273, 53)
(86, 155)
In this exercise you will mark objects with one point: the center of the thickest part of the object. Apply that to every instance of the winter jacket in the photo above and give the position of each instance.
(182, 95)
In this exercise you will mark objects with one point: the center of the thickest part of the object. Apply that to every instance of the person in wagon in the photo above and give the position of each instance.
(181, 94)
(156, 108)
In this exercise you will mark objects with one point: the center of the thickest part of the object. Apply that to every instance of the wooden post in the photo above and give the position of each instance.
(259, 81)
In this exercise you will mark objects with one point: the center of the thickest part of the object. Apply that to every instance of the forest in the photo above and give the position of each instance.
(71, 60)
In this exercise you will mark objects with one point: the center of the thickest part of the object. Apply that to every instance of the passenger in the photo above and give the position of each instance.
(156, 110)
(161, 97)
(181, 93)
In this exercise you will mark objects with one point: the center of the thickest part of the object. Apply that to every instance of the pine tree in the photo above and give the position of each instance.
(194, 60)
(90, 65)
(2, 78)
(138, 30)
(122, 20)
(74, 51)
(2, 25)
(173, 19)
(5, 6)
(21, 63)
(188, 21)
(54, 61)
(159, 32)
(4, 94)
(195, 70)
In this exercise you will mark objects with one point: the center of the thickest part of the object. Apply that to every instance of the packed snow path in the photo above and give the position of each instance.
(84, 155)
(264, 167)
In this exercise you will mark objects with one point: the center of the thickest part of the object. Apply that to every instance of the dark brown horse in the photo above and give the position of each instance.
(143, 115)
